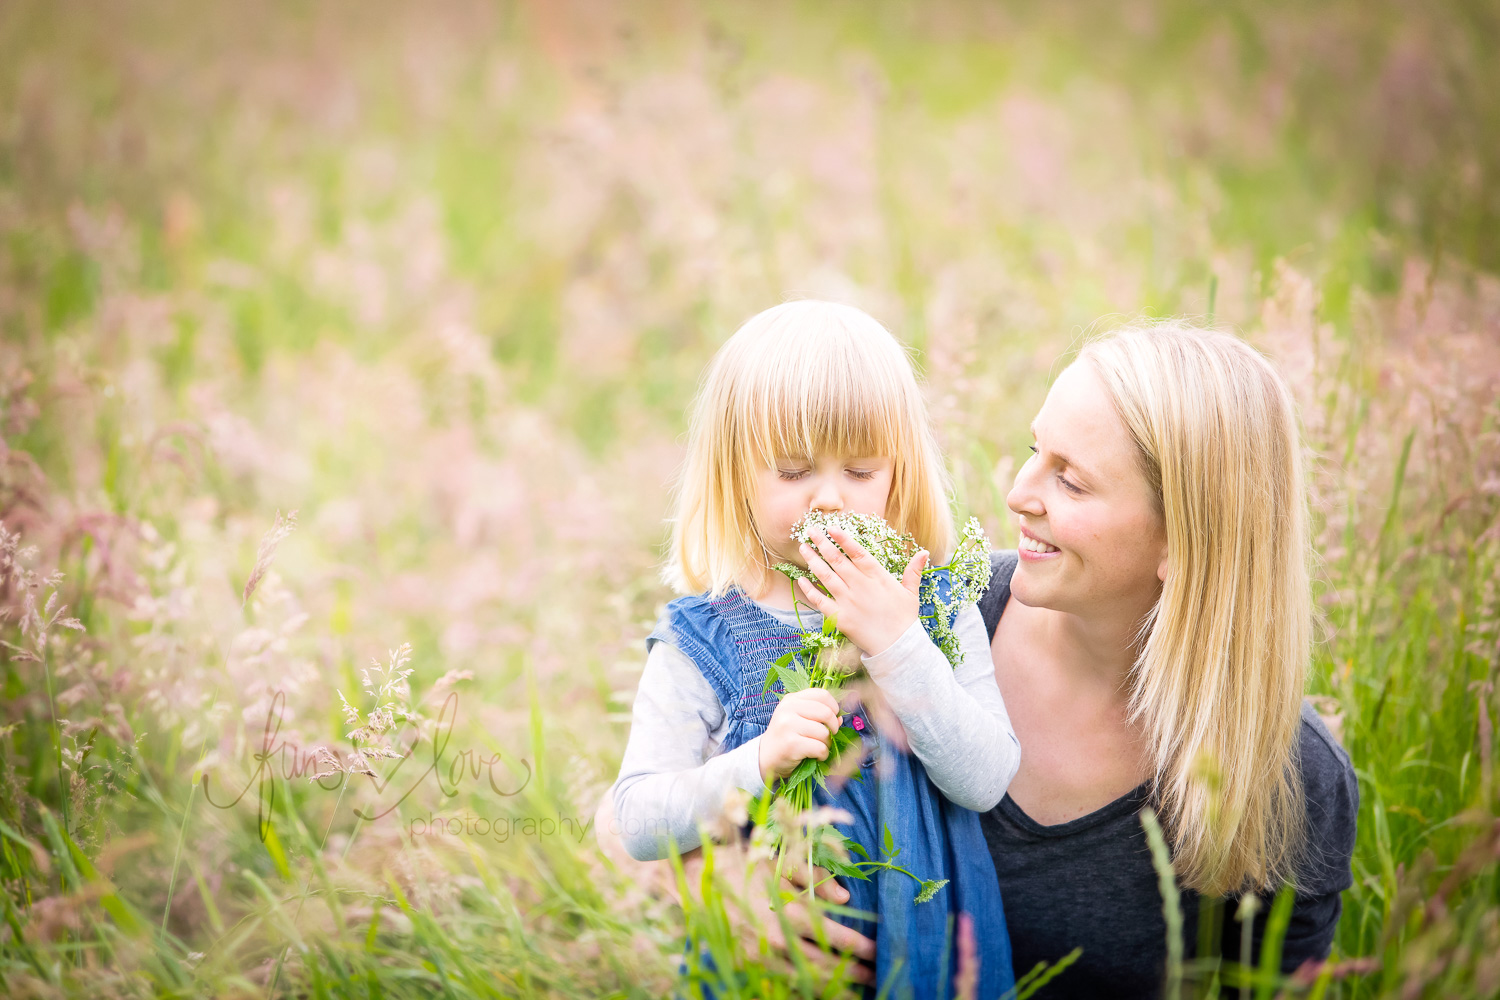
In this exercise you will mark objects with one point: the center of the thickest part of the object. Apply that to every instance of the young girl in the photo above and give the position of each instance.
(812, 405)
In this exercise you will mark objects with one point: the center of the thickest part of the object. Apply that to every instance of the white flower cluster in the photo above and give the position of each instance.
(891, 548)
(968, 577)
(968, 571)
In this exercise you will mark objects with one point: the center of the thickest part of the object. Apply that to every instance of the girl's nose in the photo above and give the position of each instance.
(826, 497)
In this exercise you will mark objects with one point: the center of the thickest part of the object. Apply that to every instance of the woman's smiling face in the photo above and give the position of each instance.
(1092, 541)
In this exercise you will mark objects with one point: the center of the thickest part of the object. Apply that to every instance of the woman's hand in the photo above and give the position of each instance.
(731, 862)
(799, 728)
(871, 606)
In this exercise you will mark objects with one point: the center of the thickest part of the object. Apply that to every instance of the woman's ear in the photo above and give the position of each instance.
(1161, 567)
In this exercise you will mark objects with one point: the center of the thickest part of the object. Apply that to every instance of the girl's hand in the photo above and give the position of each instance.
(871, 606)
(800, 728)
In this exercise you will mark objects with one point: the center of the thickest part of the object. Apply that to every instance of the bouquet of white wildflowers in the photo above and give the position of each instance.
(823, 660)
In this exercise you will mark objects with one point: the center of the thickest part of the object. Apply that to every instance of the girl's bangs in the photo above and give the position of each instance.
(808, 417)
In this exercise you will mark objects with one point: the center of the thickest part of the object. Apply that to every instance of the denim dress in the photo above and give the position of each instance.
(733, 641)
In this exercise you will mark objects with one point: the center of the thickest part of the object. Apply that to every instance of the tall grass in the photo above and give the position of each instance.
(442, 279)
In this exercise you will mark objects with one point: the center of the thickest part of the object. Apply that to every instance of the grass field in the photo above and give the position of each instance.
(441, 278)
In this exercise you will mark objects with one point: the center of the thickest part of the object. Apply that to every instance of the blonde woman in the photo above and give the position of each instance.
(1154, 654)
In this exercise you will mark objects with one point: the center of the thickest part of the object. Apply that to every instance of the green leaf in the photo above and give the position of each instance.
(760, 808)
(890, 842)
(771, 675)
(803, 771)
(827, 860)
(842, 739)
(794, 678)
(857, 848)
(826, 856)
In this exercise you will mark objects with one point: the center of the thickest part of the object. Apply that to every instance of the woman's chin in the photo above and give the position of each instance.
(1032, 583)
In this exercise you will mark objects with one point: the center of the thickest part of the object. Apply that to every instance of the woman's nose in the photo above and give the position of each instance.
(1023, 497)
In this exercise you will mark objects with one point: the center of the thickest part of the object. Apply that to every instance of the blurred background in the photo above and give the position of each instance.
(442, 277)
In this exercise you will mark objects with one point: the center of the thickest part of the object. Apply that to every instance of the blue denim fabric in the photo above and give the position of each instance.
(733, 642)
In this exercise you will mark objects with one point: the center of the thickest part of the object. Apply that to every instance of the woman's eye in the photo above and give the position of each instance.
(1070, 487)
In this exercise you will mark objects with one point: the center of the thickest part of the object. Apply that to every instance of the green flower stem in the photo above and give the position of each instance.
(813, 663)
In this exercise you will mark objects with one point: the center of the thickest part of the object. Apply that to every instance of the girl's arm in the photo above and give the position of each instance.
(668, 781)
(954, 719)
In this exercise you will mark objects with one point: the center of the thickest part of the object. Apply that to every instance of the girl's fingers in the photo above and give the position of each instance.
(825, 698)
(819, 723)
(853, 552)
(815, 598)
(821, 539)
(818, 705)
(912, 578)
(813, 729)
(810, 746)
(819, 568)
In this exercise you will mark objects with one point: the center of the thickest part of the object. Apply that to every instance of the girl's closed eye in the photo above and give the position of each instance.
(791, 475)
(865, 474)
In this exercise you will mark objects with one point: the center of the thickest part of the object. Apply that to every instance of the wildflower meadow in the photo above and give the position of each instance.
(345, 355)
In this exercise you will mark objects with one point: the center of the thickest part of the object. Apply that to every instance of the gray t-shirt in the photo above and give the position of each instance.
(1090, 883)
(672, 775)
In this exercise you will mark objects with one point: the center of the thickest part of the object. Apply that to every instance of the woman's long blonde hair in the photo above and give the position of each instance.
(799, 380)
(1217, 687)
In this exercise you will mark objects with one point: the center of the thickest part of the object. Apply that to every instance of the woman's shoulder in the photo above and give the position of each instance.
(1331, 793)
(1327, 771)
(992, 602)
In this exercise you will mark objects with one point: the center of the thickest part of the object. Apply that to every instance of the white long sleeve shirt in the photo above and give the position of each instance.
(672, 776)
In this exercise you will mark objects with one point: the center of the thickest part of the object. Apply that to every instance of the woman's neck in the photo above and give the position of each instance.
(1098, 651)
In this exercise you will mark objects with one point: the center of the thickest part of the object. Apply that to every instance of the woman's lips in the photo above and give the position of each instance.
(1032, 548)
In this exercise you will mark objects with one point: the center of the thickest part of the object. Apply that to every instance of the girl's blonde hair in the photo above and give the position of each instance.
(800, 380)
(1217, 686)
